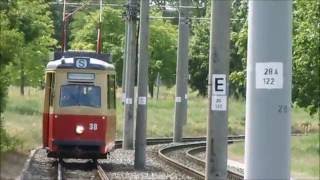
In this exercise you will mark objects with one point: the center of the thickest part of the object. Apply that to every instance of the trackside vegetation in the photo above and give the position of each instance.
(23, 121)
(31, 29)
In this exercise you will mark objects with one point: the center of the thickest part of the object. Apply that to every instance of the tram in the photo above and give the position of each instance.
(79, 116)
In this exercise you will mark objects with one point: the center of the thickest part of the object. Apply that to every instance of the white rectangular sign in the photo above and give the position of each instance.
(123, 97)
(219, 103)
(269, 75)
(128, 100)
(81, 76)
(142, 100)
(219, 84)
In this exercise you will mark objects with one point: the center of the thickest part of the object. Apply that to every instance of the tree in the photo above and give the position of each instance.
(199, 53)
(11, 42)
(238, 44)
(32, 20)
(84, 34)
(24, 36)
(306, 56)
(163, 47)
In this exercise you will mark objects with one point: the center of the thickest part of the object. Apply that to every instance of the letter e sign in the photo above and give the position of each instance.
(219, 84)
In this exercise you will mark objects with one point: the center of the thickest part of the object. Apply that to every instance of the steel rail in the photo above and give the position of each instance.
(60, 169)
(155, 141)
(102, 174)
(190, 154)
(190, 171)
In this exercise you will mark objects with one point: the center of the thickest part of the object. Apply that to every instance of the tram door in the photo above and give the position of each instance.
(48, 105)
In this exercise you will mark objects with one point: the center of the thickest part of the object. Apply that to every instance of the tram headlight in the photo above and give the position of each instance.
(79, 129)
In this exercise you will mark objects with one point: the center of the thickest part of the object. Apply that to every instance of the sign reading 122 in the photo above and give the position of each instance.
(81, 63)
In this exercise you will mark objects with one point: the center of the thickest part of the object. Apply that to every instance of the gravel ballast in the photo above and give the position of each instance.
(119, 165)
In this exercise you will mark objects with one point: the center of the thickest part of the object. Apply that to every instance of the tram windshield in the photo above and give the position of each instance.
(80, 95)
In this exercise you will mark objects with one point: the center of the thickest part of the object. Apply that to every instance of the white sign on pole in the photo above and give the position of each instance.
(128, 100)
(219, 103)
(219, 86)
(142, 100)
(269, 75)
(219, 92)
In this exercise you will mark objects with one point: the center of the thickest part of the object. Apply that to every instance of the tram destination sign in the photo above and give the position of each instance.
(81, 76)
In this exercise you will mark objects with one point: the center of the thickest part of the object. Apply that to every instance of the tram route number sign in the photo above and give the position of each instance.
(269, 75)
(81, 63)
(219, 92)
(93, 126)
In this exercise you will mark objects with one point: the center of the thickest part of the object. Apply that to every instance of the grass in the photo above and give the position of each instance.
(23, 120)
(305, 152)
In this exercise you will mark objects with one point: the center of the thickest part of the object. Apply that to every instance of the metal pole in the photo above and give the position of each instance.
(99, 40)
(124, 64)
(269, 76)
(141, 122)
(158, 85)
(64, 28)
(130, 75)
(218, 81)
(182, 72)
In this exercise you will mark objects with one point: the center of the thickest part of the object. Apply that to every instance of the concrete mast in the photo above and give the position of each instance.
(182, 71)
(141, 122)
(218, 81)
(268, 105)
(123, 98)
(132, 10)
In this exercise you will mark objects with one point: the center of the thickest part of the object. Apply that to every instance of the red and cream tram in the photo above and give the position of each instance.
(79, 117)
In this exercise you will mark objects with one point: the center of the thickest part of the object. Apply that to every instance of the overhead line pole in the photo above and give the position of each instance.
(181, 100)
(269, 83)
(124, 64)
(219, 57)
(99, 40)
(65, 18)
(132, 10)
(64, 28)
(141, 121)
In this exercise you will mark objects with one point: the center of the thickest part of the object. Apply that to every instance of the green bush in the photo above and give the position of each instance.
(28, 107)
(7, 143)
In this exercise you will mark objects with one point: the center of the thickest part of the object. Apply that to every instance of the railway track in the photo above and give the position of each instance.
(234, 173)
(65, 170)
(155, 141)
(94, 171)
(186, 161)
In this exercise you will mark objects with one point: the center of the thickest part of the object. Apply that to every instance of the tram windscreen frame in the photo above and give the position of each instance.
(80, 95)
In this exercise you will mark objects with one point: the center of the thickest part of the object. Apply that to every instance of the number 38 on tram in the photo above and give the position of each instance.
(79, 117)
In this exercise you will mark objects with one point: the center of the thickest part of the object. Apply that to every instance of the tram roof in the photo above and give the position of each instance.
(70, 63)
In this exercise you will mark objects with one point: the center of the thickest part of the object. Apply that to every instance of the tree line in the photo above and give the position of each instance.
(30, 29)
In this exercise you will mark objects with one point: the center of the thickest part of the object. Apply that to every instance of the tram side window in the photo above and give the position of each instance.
(111, 91)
